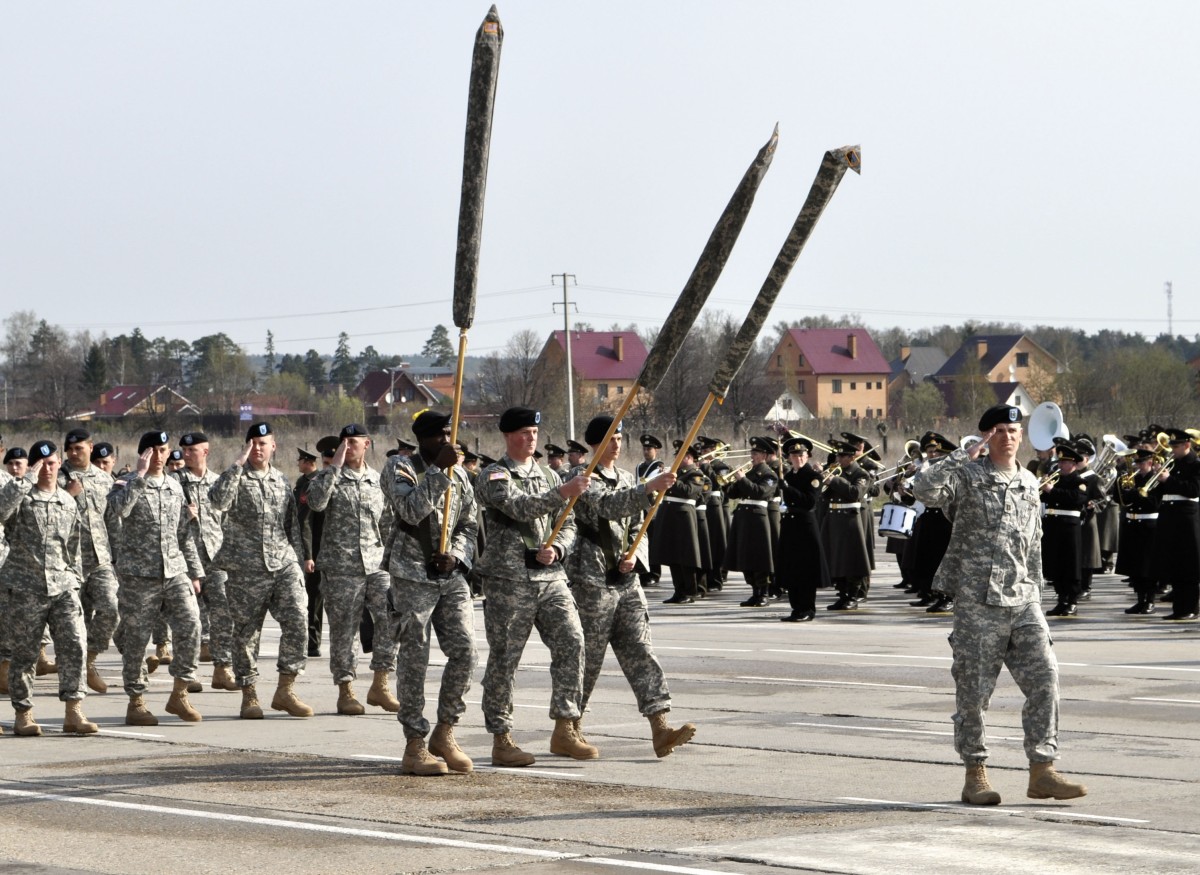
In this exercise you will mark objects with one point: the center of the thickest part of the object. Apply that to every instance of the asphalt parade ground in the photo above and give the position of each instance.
(821, 747)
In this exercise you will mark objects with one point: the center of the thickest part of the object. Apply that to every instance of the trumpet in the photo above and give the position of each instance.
(1049, 480)
(727, 477)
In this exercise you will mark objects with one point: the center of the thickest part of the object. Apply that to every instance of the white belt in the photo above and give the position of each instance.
(751, 502)
(700, 507)
(672, 498)
(1141, 516)
(1053, 511)
(850, 505)
(1178, 498)
(777, 500)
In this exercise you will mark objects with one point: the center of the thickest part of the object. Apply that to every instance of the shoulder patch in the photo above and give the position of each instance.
(1083, 487)
(815, 483)
(498, 475)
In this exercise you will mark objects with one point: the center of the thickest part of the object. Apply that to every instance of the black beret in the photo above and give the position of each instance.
(517, 418)
(797, 444)
(15, 453)
(1001, 414)
(555, 451)
(75, 436)
(649, 440)
(429, 423)
(352, 430)
(176, 456)
(598, 428)
(259, 429)
(328, 445)
(304, 456)
(191, 438)
(574, 446)
(152, 439)
(102, 450)
(42, 450)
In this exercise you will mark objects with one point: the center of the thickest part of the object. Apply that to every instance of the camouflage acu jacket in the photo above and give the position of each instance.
(607, 519)
(44, 539)
(357, 519)
(418, 495)
(92, 501)
(520, 505)
(259, 520)
(206, 525)
(154, 539)
(995, 549)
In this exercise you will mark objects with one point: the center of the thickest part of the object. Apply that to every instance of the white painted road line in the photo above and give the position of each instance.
(821, 683)
(652, 867)
(708, 649)
(873, 728)
(288, 824)
(1167, 701)
(977, 809)
(850, 653)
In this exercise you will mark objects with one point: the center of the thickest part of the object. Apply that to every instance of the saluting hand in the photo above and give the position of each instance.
(245, 456)
(339, 458)
(977, 449)
(143, 464)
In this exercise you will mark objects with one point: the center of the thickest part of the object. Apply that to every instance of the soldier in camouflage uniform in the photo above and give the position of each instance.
(357, 519)
(260, 554)
(160, 576)
(993, 571)
(430, 589)
(11, 470)
(205, 524)
(99, 593)
(43, 576)
(525, 585)
(612, 606)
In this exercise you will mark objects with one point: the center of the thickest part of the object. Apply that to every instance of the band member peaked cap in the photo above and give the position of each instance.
(305, 456)
(152, 439)
(574, 446)
(1001, 414)
(598, 428)
(554, 451)
(762, 445)
(796, 445)
(327, 446)
(517, 418)
(649, 440)
(257, 430)
(934, 440)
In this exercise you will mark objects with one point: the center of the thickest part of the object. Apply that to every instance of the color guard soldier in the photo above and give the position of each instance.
(525, 585)
(802, 568)
(750, 536)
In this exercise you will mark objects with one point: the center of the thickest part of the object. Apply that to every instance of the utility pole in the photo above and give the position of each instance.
(1170, 323)
(566, 305)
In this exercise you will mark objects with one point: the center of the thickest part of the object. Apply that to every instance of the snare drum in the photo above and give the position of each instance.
(896, 521)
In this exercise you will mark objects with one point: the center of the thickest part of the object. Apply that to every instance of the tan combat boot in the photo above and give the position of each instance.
(44, 665)
(506, 753)
(205, 652)
(251, 710)
(442, 744)
(1046, 783)
(380, 694)
(75, 722)
(347, 704)
(418, 761)
(162, 652)
(151, 664)
(179, 705)
(977, 790)
(565, 742)
(23, 724)
(4, 676)
(666, 738)
(195, 687)
(95, 683)
(223, 678)
(285, 698)
(137, 714)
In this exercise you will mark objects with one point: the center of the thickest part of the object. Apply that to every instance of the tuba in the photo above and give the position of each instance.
(1045, 424)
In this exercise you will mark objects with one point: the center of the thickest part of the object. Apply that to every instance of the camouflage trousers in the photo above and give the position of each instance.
(986, 637)
(98, 595)
(250, 597)
(512, 610)
(214, 607)
(345, 597)
(5, 624)
(29, 614)
(144, 601)
(444, 605)
(617, 615)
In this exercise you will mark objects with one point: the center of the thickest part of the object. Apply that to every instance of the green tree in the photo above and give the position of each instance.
(921, 406)
(94, 379)
(314, 370)
(292, 364)
(221, 371)
(438, 348)
(342, 370)
(268, 367)
(337, 411)
(290, 387)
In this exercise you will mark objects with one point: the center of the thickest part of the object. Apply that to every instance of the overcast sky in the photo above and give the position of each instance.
(295, 166)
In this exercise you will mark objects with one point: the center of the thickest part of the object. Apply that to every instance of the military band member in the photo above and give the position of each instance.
(310, 527)
(99, 592)
(556, 461)
(1139, 523)
(931, 534)
(357, 517)
(647, 468)
(525, 585)
(612, 606)
(1090, 558)
(750, 536)
(717, 515)
(1062, 530)
(802, 568)
(870, 462)
(844, 492)
(1177, 540)
(576, 454)
(43, 575)
(429, 590)
(992, 569)
(160, 576)
(676, 541)
(260, 554)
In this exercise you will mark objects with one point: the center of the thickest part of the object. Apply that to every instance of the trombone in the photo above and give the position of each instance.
(1168, 462)
(912, 453)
